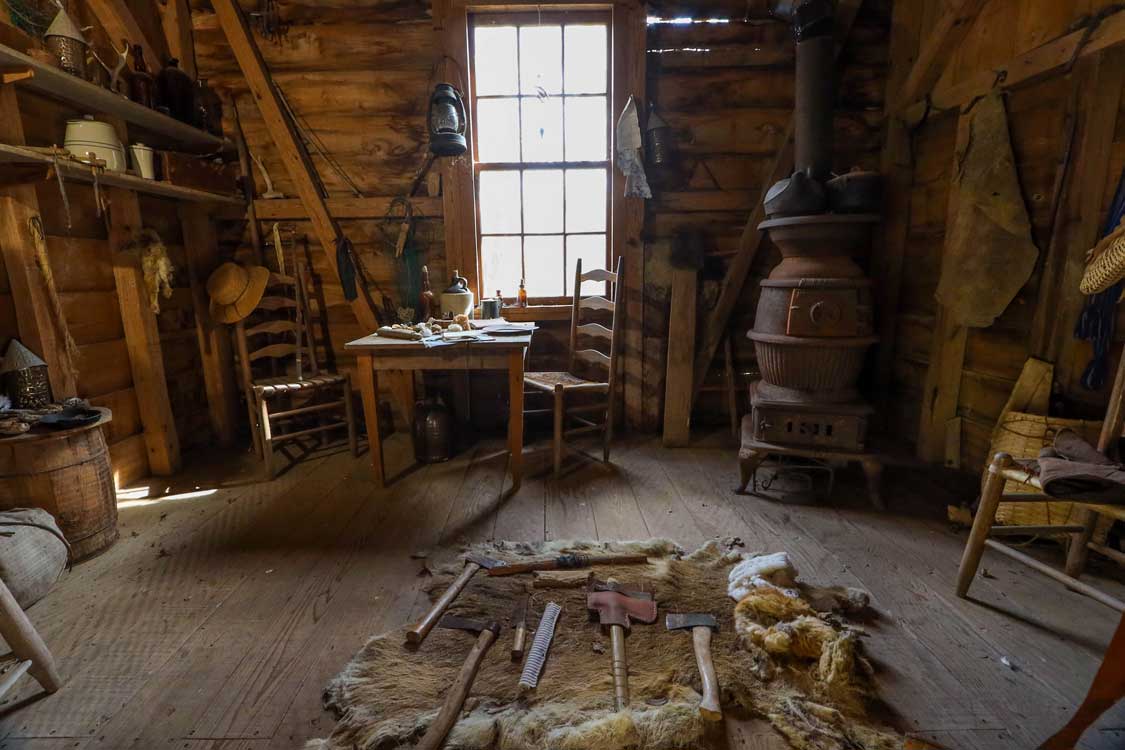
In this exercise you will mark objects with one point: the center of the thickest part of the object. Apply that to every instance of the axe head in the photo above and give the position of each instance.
(487, 563)
(691, 620)
(618, 608)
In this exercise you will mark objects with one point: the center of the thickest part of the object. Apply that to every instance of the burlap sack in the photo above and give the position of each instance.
(33, 553)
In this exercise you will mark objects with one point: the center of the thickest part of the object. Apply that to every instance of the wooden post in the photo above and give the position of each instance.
(681, 352)
(730, 289)
(291, 149)
(142, 338)
(120, 23)
(20, 222)
(201, 245)
(175, 17)
(942, 390)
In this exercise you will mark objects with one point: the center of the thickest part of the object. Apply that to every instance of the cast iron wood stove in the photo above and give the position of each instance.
(813, 324)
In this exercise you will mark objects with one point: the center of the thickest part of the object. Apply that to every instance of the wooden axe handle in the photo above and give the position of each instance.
(519, 641)
(709, 708)
(418, 633)
(620, 667)
(455, 698)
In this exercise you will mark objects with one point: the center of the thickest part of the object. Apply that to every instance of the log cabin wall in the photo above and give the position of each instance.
(81, 259)
(358, 76)
(1040, 319)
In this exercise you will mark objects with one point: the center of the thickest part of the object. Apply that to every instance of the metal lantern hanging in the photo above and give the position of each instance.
(447, 121)
(65, 41)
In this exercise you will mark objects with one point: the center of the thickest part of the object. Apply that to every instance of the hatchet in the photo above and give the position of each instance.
(617, 608)
(701, 626)
(473, 563)
(455, 698)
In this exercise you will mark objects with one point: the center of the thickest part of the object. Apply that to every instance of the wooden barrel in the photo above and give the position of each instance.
(66, 473)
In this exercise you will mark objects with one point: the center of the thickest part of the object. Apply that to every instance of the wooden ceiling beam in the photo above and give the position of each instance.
(120, 23)
(175, 18)
(936, 50)
(751, 240)
(1050, 57)
(289, 145)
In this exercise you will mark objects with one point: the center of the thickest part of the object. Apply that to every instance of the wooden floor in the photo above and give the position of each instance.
(227, 605)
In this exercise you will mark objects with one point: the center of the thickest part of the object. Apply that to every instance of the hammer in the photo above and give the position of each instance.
(473, 563)
(455, 698)
(617, 608)
(701, 625)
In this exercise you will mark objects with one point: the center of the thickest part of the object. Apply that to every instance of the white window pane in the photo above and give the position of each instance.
(542, 129)
(540, 60)
(543, 260)
(586, 66)
(500, 263)
(494, 60)
(585, 128)
(543, 201)
(499, 202)
(498, 130)
(585, 200)
(591, 249)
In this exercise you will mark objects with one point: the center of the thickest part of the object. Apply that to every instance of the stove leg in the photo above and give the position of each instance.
(873, 468)
(748, 463)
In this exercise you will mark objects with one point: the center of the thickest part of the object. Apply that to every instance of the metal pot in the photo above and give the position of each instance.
(857, 192)
(433, 432)
(795, 195)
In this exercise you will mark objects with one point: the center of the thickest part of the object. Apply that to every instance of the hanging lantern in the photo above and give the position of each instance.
(447, 121)
(659, 144)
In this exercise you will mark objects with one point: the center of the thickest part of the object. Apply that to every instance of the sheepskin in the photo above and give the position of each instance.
(816, 697)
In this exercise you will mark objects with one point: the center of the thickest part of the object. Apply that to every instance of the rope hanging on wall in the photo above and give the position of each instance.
(43, 263)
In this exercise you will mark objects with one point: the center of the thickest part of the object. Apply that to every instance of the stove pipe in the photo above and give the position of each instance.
(814, 24)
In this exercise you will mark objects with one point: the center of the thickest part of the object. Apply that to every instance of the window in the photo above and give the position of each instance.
(540, 107)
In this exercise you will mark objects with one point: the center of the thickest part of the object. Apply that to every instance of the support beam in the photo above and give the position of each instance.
(175, 18)
(289, 145)
(142, 338)
(120, 23)
(20, 230)
(715, 327)
(201, 246)
(941, 391)
(936, 50)
(1042, 61)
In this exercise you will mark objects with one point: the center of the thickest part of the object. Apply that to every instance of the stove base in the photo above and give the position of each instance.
(755, 451)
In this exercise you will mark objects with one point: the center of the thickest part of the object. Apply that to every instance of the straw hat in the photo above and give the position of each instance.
(235, 291)
(1106, 266)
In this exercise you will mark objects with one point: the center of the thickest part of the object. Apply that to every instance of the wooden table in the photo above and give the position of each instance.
(376, 354)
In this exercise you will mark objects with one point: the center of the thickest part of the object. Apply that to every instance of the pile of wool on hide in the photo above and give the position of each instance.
(814, 692)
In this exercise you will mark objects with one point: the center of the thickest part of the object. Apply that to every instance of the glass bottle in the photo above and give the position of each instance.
(521, 300)
(142, 85)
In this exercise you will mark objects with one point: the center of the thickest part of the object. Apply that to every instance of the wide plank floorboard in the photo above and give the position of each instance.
(229, 603)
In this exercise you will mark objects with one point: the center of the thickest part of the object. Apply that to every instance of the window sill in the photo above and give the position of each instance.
(536, 313)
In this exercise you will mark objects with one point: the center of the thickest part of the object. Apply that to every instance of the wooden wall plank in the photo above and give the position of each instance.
(681, 354)
(142, 337)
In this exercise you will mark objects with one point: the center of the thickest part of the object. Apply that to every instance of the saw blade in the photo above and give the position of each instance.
(537, 655)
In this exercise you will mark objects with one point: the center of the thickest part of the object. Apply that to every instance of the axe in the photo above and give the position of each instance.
(455, 698)
(701, 625)
(617, 608)
(473, 563)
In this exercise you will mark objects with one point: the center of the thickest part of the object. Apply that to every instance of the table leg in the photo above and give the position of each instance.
(369, 390)
(515, 417)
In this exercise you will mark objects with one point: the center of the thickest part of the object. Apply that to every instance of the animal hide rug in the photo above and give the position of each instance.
(809, 679)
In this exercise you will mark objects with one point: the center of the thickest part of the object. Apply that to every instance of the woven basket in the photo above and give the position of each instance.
(1023, 436)
(1108, 264)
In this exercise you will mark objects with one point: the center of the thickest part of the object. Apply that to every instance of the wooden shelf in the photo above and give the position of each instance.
(151, 127)
(73, 171)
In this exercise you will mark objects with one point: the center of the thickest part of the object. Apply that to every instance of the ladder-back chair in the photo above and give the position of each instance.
(577, 380)
(277, 366)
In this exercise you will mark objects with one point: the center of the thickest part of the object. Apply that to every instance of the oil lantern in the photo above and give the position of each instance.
(447, 121)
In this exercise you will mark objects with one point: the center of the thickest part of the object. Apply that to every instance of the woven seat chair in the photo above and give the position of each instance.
(562, 385)
(278, 368)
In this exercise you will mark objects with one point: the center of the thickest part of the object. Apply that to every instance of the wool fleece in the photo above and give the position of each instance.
(817, 697)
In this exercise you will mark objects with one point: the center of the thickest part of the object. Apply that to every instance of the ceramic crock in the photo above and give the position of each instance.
(90, 136)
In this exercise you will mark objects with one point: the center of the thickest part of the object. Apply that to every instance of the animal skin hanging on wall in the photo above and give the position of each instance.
(989, 254)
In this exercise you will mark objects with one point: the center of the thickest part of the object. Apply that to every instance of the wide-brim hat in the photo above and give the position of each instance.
(235, 291)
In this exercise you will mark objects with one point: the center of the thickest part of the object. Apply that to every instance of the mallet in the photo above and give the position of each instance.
(701, 625)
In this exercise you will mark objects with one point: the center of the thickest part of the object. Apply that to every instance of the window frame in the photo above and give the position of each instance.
(519, 16)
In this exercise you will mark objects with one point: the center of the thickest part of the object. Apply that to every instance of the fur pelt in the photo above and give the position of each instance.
(388, 694)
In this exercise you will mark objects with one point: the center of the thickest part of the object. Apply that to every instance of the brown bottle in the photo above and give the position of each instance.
(142, 86)
(426, 298)
(521, 299)
(177, 92)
